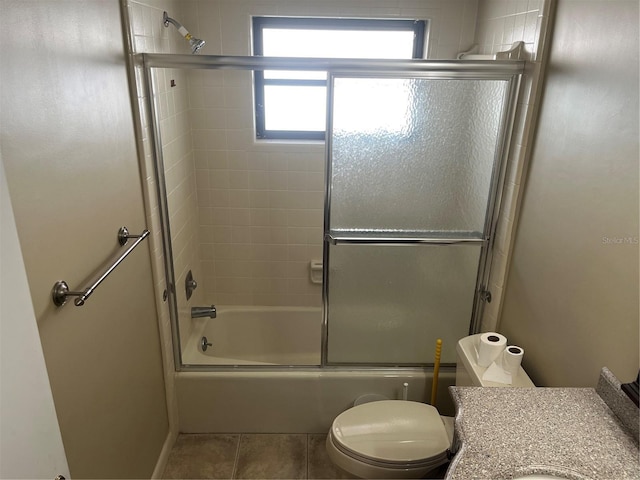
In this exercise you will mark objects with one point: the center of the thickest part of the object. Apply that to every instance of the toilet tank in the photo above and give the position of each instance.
(469, 373)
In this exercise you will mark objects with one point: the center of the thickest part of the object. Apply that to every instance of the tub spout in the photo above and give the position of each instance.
(199, 312)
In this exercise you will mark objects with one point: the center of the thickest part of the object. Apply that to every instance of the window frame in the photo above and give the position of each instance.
(419, 28)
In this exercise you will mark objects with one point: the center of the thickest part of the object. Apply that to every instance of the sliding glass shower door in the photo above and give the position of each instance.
(414, 163)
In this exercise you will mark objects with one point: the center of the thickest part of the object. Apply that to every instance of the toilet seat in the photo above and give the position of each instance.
(390, 436)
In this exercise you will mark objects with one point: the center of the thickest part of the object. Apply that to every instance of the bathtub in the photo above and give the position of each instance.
(262, 374)
(256, 336)
(292, 400)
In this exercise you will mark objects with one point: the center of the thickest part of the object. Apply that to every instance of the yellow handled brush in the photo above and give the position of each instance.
(436, 372)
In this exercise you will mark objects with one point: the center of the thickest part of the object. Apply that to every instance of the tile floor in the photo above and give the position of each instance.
(254, 456)
(251, 456)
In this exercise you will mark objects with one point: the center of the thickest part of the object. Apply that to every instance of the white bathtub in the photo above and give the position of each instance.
(291, 401)
(256, 336)
(279, 399)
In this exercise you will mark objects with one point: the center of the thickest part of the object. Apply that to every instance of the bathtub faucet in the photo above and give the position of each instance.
(199, 312)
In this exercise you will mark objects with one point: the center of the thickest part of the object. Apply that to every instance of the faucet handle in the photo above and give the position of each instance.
(190, 284)
(204, 344)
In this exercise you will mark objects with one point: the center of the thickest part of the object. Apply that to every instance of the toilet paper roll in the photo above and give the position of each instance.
(512, 358)
(490, 347)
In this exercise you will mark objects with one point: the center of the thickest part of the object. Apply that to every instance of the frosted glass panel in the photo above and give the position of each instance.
(389, 304)
(413, 154)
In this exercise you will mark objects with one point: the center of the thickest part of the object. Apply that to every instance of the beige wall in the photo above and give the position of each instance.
(72, 169)
(572, 293)
(30, 443)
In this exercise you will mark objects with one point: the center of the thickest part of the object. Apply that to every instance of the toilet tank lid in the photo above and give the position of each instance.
(392, 430)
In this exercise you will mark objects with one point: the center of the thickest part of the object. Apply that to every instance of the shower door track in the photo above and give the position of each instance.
(508, 70)
(459, 68)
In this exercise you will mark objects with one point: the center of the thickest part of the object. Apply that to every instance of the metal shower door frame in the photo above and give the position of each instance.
(493, 205)
(509, 70)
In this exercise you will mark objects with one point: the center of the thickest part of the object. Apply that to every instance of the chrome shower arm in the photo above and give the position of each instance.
(166, 19)
(196, 43)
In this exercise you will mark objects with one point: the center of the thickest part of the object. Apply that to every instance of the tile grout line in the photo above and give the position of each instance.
(237, 458)
(307, 456)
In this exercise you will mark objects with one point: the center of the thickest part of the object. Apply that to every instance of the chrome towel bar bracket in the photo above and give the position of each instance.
(124, 235)
(61, 291)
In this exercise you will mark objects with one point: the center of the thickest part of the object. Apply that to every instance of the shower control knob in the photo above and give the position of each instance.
(189, 284)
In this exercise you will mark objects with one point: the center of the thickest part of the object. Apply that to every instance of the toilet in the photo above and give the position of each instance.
(400, 438)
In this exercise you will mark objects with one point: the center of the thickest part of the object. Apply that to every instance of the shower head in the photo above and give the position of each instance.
(196, 43)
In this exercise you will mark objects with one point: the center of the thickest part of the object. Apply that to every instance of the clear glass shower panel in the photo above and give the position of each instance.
(389, 304)
(245, 221)
(413, 154)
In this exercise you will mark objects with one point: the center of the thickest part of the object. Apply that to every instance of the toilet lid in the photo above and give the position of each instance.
(393, 431)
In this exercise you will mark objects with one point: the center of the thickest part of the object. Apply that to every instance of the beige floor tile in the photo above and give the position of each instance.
(319, 465)
(272, 456)
(202, 456)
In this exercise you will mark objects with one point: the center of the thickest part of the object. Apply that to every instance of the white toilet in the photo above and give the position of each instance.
(403, 439)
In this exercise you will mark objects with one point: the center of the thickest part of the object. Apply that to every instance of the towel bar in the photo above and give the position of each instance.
(61, 291)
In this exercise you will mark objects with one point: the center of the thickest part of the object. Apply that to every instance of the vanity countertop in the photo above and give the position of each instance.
(505, 433)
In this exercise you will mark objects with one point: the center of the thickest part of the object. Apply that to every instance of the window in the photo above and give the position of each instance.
(292, 104)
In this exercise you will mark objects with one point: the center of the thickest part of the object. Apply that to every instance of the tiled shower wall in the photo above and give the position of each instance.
(256, 216)
(499, 24)
(260, 202)
(259, 218)
(148, 34)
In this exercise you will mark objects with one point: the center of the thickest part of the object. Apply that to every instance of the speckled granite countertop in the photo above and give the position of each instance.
(504, 433)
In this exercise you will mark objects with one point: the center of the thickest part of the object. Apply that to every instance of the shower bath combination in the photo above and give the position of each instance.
(313, 359)
(196, 43)
(360, 318)
(392, 271)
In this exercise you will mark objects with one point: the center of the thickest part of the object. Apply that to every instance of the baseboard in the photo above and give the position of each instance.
(164, 455)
